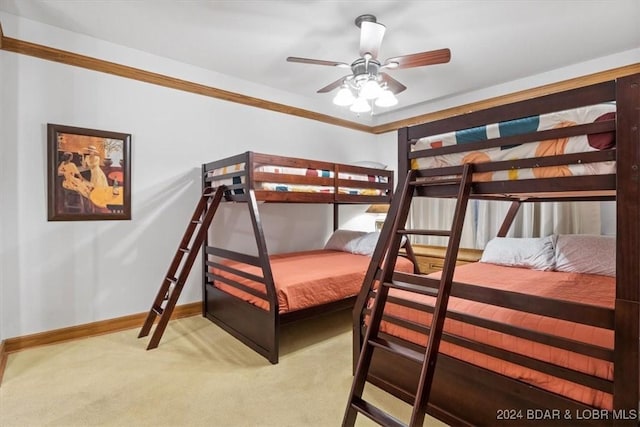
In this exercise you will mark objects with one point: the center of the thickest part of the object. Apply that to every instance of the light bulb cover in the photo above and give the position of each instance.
(386, 99)
(370, 89)
(344, 97)
(360, 105)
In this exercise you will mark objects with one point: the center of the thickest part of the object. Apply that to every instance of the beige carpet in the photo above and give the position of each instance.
(198, 376)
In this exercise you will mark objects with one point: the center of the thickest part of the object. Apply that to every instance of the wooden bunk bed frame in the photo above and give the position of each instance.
(465, 394)
(257, 328)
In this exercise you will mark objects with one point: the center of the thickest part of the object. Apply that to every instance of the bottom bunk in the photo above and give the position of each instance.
(463, 394)
(250, 297)
(521, 344)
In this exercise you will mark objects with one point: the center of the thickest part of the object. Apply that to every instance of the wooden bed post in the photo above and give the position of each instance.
(508, 219)
(626, 376)
(336, 216)
(403, 149)
(263, 254)
(205, 243)
(412, 256)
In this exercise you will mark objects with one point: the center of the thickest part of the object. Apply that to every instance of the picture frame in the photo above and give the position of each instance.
(88, 174)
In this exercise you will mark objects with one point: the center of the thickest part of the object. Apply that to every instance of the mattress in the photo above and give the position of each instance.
(305, 279)
(552, 147)
(585, 288)
(304, 188)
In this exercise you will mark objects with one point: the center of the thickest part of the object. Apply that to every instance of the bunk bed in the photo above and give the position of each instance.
(489, 358)
(251, 296)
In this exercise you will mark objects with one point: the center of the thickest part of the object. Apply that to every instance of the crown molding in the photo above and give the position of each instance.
(69, 58)
(95, 64)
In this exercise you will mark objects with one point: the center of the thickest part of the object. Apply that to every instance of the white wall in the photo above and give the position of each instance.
(58, 274)
(605, 63)
(5, 150)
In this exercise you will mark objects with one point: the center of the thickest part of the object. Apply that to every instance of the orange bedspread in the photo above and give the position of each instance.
(306, 279)
(585, 288)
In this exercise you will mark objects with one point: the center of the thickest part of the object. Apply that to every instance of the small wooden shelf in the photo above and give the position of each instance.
(431, 258)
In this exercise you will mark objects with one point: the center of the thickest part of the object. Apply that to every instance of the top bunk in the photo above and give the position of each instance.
(293, 180)
(563, 146)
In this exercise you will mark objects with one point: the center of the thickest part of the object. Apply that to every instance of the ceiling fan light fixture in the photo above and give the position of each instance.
(368, 84)
(386, 99)
(344, 97)
(370, 89)
(361, 105)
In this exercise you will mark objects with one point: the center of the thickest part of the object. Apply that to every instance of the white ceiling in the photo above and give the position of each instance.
(492, 42)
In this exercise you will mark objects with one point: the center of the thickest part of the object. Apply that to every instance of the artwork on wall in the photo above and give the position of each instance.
(89, 174)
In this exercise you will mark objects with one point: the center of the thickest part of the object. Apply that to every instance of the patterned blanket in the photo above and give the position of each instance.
(552, 147)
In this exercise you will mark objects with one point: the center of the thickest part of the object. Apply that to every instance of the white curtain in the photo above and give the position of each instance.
(484, 218)
(437, 214)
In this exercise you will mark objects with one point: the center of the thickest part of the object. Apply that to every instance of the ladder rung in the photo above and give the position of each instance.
(172, 286)
(443, 185)
(426, 232)
(447, 181)
(410, 287)
(374, 413)
(401, 350)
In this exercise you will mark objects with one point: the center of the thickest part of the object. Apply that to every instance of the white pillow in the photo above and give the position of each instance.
(536, 253)
(344, 240)
(366, 244)
(583, 253)
(356, 242)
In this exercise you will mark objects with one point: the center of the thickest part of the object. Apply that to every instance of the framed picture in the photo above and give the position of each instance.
(89, 174)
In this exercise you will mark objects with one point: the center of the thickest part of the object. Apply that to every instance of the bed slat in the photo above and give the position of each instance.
(238, 285)
(538, 365)
(236, 271)
(583, 348)
(588, 95)
(600, 317)
(292, 179)
(524, 138)
(232, 255)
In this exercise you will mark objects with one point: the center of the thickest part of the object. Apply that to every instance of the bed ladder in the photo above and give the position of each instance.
(461, 186)
(180, 267)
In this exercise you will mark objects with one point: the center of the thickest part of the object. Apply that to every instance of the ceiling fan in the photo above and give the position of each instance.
(367, 80)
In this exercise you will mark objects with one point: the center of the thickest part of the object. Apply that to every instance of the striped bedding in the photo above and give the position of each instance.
(304, 188)
(552, 147)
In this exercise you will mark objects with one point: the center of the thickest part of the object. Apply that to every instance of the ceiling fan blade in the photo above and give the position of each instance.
(332, 86)
(394, 85)
(317, 62)
(439, 56)
(371, 34)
